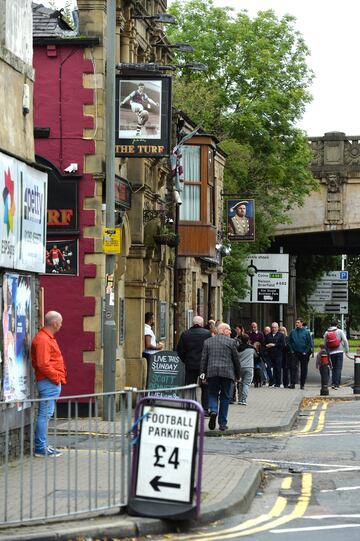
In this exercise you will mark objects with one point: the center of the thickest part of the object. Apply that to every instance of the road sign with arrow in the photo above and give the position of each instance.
(166, 474)
(165, 465)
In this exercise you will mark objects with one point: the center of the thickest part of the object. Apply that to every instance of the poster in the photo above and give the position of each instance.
(143, 116)
(241, 219)
(9, 215)
(16, 325)
(62, 257)
(30, 252)
(22, 215)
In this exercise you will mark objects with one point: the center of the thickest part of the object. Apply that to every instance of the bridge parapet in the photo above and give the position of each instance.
(336, 164)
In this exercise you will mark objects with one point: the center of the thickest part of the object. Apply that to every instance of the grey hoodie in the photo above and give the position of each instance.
(344, 345)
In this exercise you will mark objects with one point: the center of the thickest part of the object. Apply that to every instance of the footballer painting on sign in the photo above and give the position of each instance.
(140, 109)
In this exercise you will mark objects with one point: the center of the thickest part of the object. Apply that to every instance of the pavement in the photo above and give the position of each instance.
(229, 483)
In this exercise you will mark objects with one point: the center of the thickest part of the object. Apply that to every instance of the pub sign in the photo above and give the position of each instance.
(143, 116)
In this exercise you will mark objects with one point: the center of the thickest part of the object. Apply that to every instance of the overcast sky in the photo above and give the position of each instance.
(331, 30)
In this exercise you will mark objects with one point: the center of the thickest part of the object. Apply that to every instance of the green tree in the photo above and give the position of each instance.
(252, 94)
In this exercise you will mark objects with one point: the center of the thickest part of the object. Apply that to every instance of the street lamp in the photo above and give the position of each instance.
(152, 66)
(164, 18)
(182, 47)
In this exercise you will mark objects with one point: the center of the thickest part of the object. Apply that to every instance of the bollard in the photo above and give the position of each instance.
(325, 374)
(357, 374)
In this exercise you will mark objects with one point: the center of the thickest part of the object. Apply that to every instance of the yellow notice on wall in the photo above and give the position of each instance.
(111, 240)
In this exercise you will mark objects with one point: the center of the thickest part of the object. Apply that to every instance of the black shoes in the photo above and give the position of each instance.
(302, 387)
(212, 421)
(291, 386)
(223, 427)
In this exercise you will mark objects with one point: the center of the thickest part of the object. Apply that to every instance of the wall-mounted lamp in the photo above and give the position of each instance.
(164, 18)
(152, 66)
(182, 47)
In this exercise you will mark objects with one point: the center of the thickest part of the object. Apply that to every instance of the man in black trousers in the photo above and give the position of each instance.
(189, 349)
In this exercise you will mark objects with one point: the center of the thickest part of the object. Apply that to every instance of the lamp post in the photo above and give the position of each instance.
(109, 361)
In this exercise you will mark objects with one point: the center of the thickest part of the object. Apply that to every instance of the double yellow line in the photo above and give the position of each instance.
(272, 519)
(310, 422)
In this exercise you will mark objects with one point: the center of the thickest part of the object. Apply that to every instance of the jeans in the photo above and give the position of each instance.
(46, 389)
(220, 385)
(246, 379)
(337, 364)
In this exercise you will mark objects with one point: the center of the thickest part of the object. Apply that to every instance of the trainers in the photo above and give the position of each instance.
(242, 403)
(212, 421)
(50, 451)
(223, 427)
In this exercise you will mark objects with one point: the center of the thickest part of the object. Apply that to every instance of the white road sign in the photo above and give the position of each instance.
(331, 293)
(166, 454)
(268, 279)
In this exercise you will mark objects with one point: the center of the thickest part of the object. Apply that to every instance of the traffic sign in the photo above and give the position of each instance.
(166, 471)
(331, 293)
(268, 279)
(165, 466)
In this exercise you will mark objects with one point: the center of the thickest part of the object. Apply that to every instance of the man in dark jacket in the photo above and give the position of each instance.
(220, 366)
(189, 349)
(275, 345)
(300, 345)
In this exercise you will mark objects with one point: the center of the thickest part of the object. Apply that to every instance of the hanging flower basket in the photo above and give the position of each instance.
(168, 239)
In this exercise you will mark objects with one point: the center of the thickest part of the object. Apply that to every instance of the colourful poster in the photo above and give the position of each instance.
(9, 214)
(17, 341)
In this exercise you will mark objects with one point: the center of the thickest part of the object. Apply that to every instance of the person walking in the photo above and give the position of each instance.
(247, 355)
(274, 344)
(189, 349)
(336, 343)
(220, 366)
(50, 374)
(300, 345)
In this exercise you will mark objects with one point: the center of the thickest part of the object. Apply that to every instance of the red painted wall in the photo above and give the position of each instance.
(59, 99)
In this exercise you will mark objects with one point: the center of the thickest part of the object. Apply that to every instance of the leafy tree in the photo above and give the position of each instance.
(253, 92)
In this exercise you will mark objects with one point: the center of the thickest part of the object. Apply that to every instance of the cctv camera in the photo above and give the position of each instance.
(72, 168)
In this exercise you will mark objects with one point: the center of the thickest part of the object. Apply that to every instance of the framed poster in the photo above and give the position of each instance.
(143, 116)
(16, 327)
(241, 219)
(62, 257)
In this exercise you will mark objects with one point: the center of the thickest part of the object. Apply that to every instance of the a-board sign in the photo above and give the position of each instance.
(165, 370)
(167, 454)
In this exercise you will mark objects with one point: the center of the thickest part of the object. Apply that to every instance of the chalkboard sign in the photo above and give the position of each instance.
(165, 370)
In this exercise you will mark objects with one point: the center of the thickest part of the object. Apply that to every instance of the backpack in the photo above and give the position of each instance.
(333, 340)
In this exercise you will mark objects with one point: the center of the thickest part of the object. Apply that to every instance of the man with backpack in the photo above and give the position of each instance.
(336, 343)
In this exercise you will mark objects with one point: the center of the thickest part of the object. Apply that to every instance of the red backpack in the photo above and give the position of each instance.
(333, 340)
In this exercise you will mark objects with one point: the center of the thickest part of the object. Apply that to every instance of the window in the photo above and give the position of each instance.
(211, 188)
(190, 208)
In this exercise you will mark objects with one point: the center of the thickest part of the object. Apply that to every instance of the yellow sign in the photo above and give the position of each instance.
(111, 240)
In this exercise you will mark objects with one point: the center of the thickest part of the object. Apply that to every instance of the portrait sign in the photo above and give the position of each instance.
(143, 116)
(62, 257)
(241, 219)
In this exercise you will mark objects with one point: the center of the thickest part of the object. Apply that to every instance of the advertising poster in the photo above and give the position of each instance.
(30, 252)
(62, 257)
(143, 116)
(241, 219)
(9, 212)
(17, 340)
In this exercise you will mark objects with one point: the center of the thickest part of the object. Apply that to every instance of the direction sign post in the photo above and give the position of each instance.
(331, 294)
(166, 472)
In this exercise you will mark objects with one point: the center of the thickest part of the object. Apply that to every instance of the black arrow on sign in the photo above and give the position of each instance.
(156, 483)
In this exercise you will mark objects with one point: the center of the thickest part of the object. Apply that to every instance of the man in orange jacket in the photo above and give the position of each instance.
(50, 373)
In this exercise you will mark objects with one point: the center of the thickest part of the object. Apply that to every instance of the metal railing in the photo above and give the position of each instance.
(91, 476)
